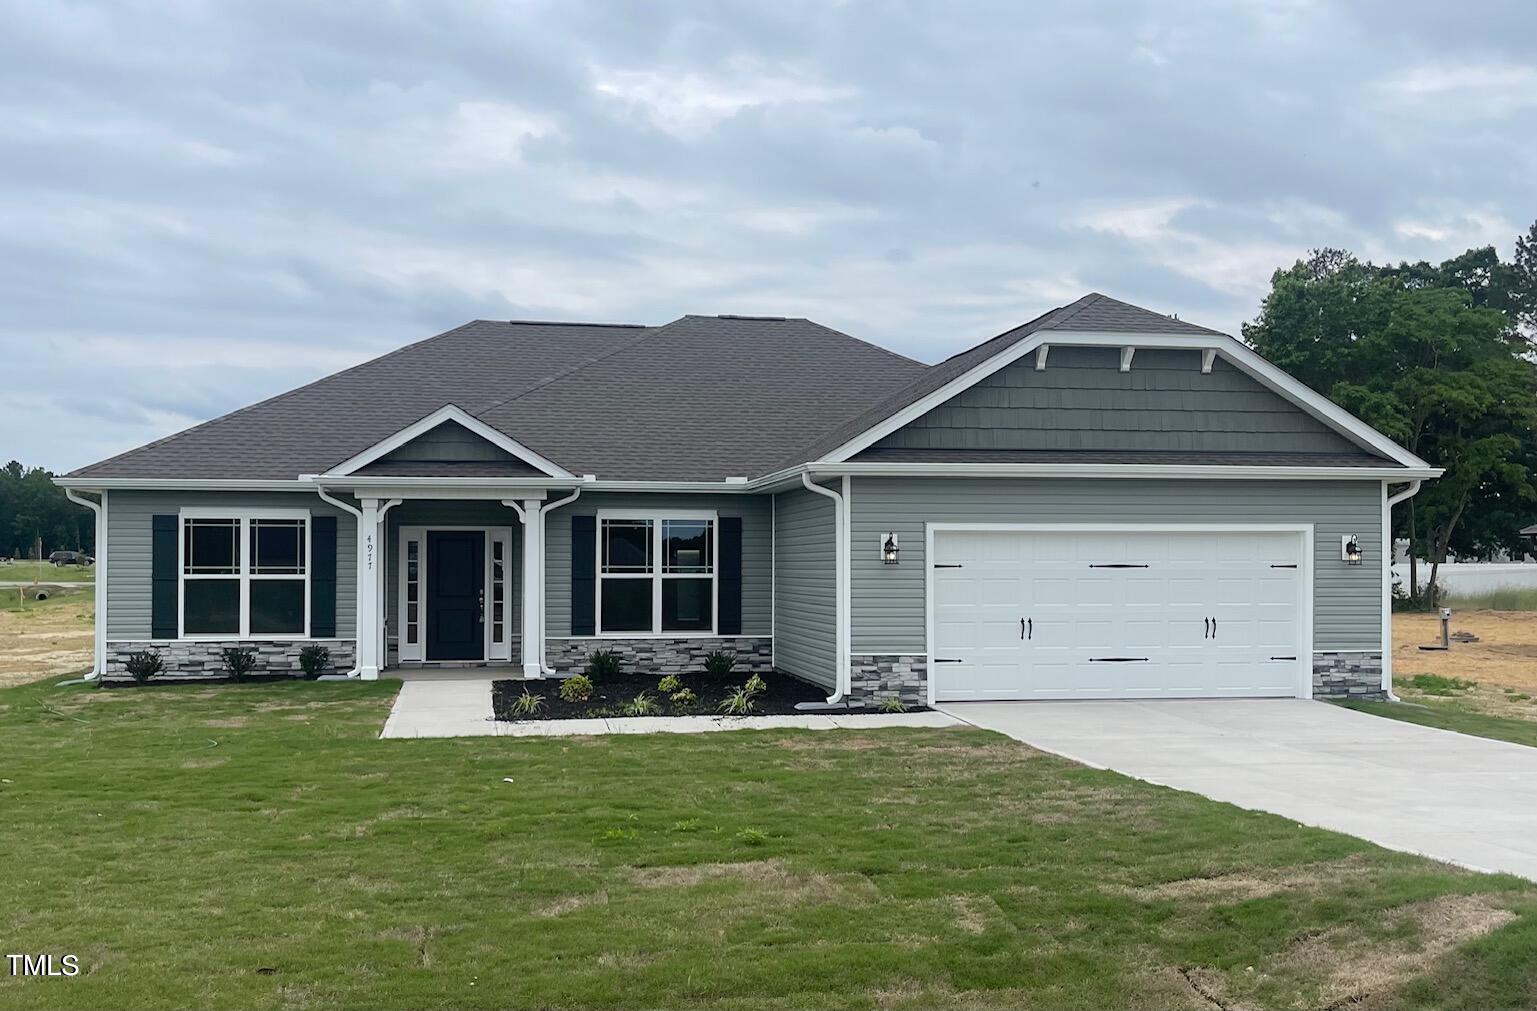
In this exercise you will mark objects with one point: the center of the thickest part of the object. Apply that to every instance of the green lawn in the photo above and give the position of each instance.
(258, 846)
(1450, 715)
(31, 571)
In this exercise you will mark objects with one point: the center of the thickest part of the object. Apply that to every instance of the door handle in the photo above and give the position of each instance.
(482, 599)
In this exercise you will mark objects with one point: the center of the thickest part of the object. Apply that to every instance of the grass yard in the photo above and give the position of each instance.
(30, 571)
(1454, 715)
(258, 846)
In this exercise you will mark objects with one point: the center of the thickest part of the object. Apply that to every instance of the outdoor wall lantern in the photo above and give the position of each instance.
(1350, 549)
(889, 548)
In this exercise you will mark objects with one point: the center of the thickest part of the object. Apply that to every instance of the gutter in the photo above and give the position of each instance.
(1389, 501)
(99, 620)
(841, 582)
(356, 670)
(544, 511)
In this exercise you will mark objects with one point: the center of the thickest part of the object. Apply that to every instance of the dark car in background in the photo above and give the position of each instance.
(70, 558)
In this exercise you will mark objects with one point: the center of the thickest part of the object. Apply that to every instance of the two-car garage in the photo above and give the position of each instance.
(1085, 612)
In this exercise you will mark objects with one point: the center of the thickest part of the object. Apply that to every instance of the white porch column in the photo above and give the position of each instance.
(533, 588)
(369, 578)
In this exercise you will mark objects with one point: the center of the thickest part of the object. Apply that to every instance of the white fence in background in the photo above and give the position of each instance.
(1474, 577)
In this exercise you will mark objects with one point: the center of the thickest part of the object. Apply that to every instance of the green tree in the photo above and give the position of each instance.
(33, 507)
(1434, 358)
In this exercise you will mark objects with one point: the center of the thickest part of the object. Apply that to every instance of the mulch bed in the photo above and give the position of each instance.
(609, 695)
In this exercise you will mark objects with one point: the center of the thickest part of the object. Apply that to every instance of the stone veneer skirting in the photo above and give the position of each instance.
(876, 677)
(1347, 675)
(754, 654)
(202, 659)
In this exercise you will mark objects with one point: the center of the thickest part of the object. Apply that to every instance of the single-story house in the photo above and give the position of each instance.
(1104, 502)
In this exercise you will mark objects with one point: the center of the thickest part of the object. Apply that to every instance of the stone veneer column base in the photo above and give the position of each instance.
(184, 660)
(754, 653)
(1348, 675)
(876, 677)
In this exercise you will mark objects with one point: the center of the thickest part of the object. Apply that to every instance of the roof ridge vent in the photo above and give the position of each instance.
(567, 322)
(760, 319)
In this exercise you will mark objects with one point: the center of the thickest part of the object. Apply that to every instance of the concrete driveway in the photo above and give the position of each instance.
(1466, 800)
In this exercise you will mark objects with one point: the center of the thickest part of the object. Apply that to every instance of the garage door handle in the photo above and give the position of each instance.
(1214, 628)
(1206, 634)
(1027, 628)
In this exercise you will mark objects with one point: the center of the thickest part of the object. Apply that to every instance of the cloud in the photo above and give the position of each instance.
(205, 204)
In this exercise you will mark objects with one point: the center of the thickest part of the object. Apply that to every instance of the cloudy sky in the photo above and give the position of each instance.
(202, 204)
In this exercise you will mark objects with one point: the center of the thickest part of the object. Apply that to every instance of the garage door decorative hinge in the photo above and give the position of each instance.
(1293, 565)
(1117, 565)
(941, 565)
(1117, 659)
(1283, 658)
(941, 659)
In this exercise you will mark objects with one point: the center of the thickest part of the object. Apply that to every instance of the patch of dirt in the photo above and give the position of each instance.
(1244, 885)
(774, 877)
(52, 638)
(571, 903)
(1505, 655)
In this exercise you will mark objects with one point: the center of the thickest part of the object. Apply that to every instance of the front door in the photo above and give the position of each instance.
(456, 586)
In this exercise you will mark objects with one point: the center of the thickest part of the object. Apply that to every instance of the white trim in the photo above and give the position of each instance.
(1208, 358)
(1040, 357)
(1127, 353)
(1305, 603)
(1126, 470)
(1239, 354)
(773, 579)
(447, 413)
(656, 575)
(243, 517)
(98, 583)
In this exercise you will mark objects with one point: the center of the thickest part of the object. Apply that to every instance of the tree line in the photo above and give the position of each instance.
(33, 507)
(1439, 357)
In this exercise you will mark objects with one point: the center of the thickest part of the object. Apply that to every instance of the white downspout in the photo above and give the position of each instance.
(544, 511)
(99, 647)
(1388, 502)
(356, 670)
(841, 584)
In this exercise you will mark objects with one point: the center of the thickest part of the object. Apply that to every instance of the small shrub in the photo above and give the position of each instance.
(756, 685)
(1435, 684)
(644, 704)
(143, 665)
(752, 837)
(719, 662)
(314, 659)
(892, 705)
(683, 698)
(740, 702)
(602, 663)
(527, 704)
(669, 685)
(576, 689)
(239, 661)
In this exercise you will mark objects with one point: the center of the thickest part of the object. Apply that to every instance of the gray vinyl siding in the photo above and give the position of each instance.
(757, 540)
(128, 550)
(450, 441)
(888, 600)
(1083, 401)
(445, 513)
(805, 587)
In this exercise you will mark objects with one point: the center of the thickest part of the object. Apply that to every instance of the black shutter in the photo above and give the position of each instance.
(162, 574)
(584, 573)
(730, 563)
(323, 577)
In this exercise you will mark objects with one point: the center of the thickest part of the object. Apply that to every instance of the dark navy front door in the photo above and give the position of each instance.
(456, 582)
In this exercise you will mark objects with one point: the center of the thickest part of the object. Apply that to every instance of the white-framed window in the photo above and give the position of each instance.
(245, 573)
(656, 573)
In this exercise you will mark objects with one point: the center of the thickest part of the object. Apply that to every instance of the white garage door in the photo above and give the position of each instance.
(1095, 615)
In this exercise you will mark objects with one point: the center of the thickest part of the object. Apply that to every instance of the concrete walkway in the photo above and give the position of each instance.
(1466, 800)
(458, 704)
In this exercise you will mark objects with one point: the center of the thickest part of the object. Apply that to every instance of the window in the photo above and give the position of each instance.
(245, 576)
(656, 575)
